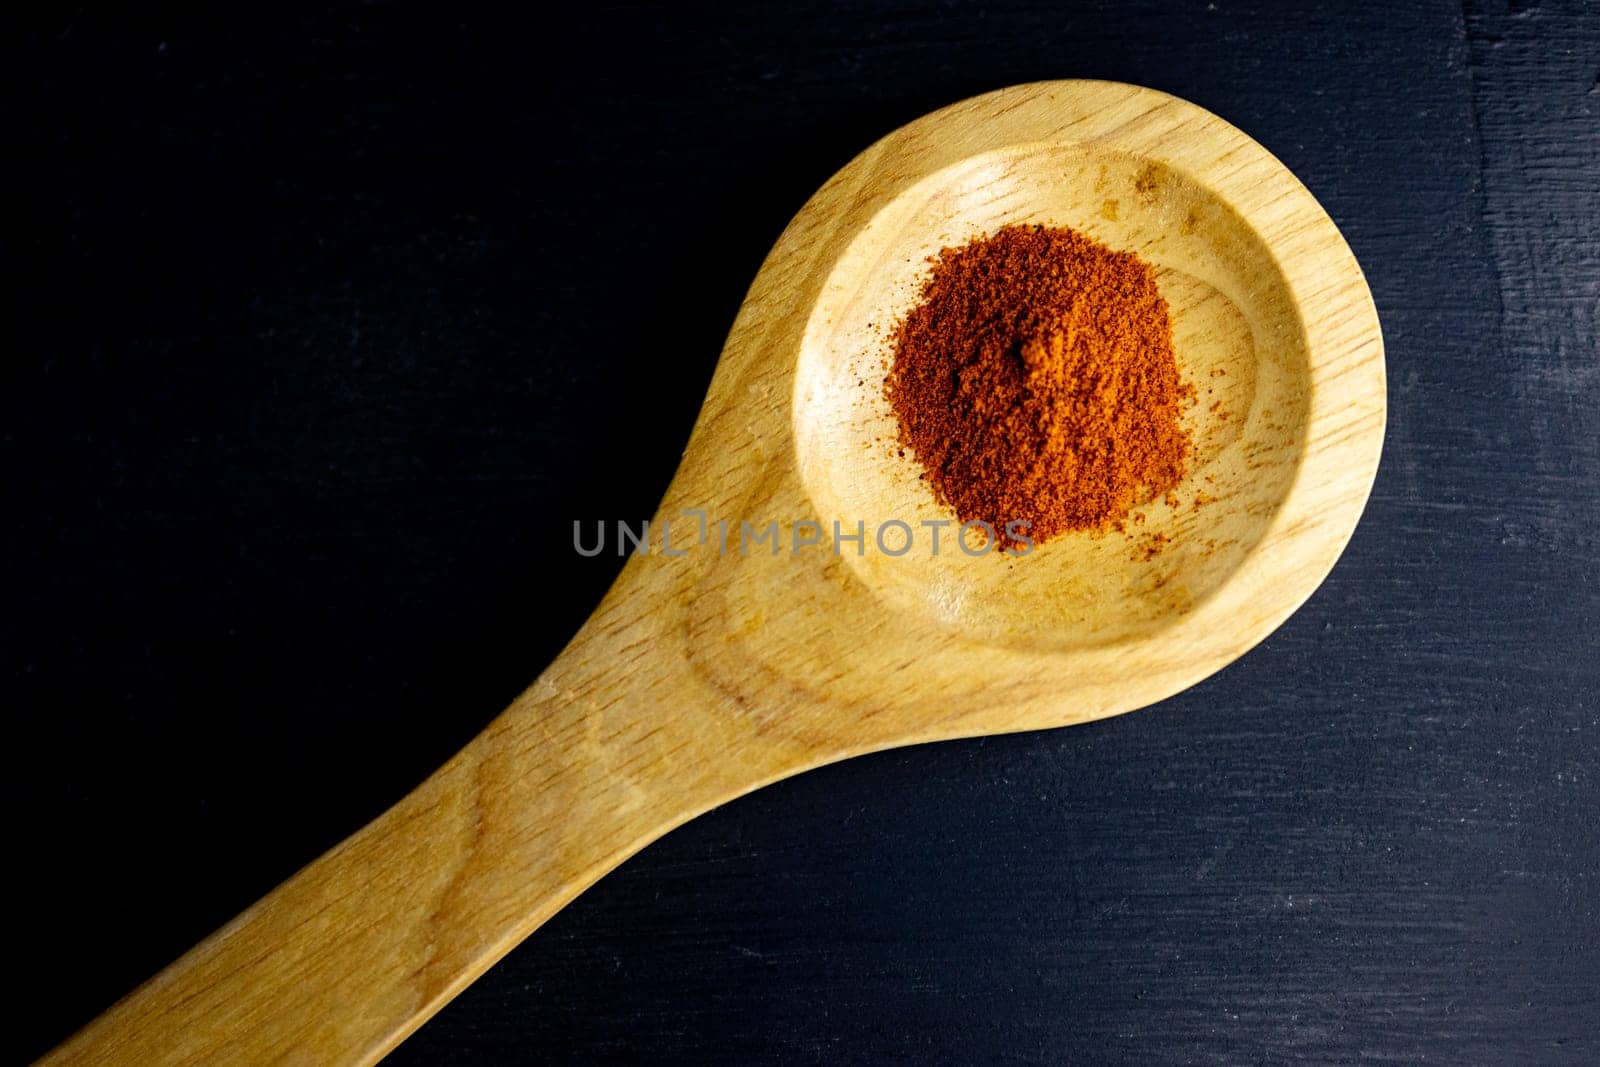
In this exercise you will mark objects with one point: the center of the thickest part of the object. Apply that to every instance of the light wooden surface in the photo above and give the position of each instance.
(704, 676)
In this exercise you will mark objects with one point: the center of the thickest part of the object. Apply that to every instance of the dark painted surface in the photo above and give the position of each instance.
(331, 324)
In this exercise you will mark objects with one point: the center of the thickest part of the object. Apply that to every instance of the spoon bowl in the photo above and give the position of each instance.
(716, 665)
(1239, 339)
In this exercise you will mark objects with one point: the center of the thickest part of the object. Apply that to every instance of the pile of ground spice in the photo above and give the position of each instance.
(1035, 380)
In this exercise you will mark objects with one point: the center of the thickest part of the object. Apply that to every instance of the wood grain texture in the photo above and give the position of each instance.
(704, 675)
(283, 502)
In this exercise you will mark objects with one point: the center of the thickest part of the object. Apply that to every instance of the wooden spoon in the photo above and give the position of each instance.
(703, 676)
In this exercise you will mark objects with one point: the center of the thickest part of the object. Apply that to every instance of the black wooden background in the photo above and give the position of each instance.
(331, 322)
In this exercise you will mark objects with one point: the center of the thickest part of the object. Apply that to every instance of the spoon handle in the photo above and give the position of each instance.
(354, 952)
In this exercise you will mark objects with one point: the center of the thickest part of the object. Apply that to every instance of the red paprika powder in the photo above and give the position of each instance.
(1035, 380)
